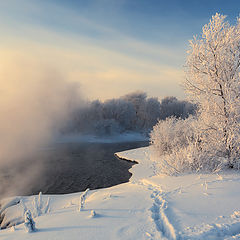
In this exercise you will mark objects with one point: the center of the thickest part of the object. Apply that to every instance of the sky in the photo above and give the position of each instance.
(109, 47)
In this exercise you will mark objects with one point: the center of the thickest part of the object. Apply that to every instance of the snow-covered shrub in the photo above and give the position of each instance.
(188, 159)
(46, 208)
(169, 139)
(178, 146)
(82, 200)
(172, 134)
(38, 205)
(29, 222)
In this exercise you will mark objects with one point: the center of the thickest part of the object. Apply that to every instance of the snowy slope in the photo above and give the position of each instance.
(193, 206)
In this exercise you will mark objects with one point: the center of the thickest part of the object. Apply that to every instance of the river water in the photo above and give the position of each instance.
(73, 167)
(68, 168)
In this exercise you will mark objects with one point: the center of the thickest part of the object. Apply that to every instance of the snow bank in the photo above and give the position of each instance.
(144, 167)
(192, 206)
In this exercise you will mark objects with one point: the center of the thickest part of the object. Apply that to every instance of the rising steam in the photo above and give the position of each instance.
(35, 102)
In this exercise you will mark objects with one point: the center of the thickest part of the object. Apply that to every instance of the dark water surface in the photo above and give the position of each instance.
(73, 167)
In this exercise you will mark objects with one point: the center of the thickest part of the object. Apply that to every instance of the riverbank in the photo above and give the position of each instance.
(150, 206)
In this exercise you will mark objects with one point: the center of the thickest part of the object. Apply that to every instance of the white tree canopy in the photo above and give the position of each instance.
(213, 83)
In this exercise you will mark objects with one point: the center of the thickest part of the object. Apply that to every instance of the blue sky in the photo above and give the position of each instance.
(110, 46)
(155, 21)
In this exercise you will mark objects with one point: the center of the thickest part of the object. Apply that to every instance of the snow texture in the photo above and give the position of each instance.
(149, 207)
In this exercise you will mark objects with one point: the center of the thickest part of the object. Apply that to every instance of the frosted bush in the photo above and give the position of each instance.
(39, 206)
(178, 146)
(172, 134)
(188, 159)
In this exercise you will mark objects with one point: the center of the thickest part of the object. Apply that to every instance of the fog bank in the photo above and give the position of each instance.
(35, 101)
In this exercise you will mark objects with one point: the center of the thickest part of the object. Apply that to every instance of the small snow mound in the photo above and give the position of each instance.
(93, 214)
(236, 214)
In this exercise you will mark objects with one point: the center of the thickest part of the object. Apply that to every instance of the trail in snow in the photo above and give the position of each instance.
(187, 207)
(158, 211)
(223, 228)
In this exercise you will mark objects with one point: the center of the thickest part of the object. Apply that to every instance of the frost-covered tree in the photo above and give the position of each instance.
(213, 83)
(152, 112)
(210, 140)
(171, 106)
(121, 111)
(133, 112)
(138, 99)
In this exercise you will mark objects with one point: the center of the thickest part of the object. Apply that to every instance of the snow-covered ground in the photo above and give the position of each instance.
(193, 206)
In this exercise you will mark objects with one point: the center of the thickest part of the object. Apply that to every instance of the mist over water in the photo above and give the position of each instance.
(35, 102)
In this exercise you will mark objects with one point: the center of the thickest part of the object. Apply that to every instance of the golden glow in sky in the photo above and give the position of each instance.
(106, 64)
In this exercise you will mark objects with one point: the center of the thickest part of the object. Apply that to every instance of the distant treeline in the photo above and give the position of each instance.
(132, 112)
